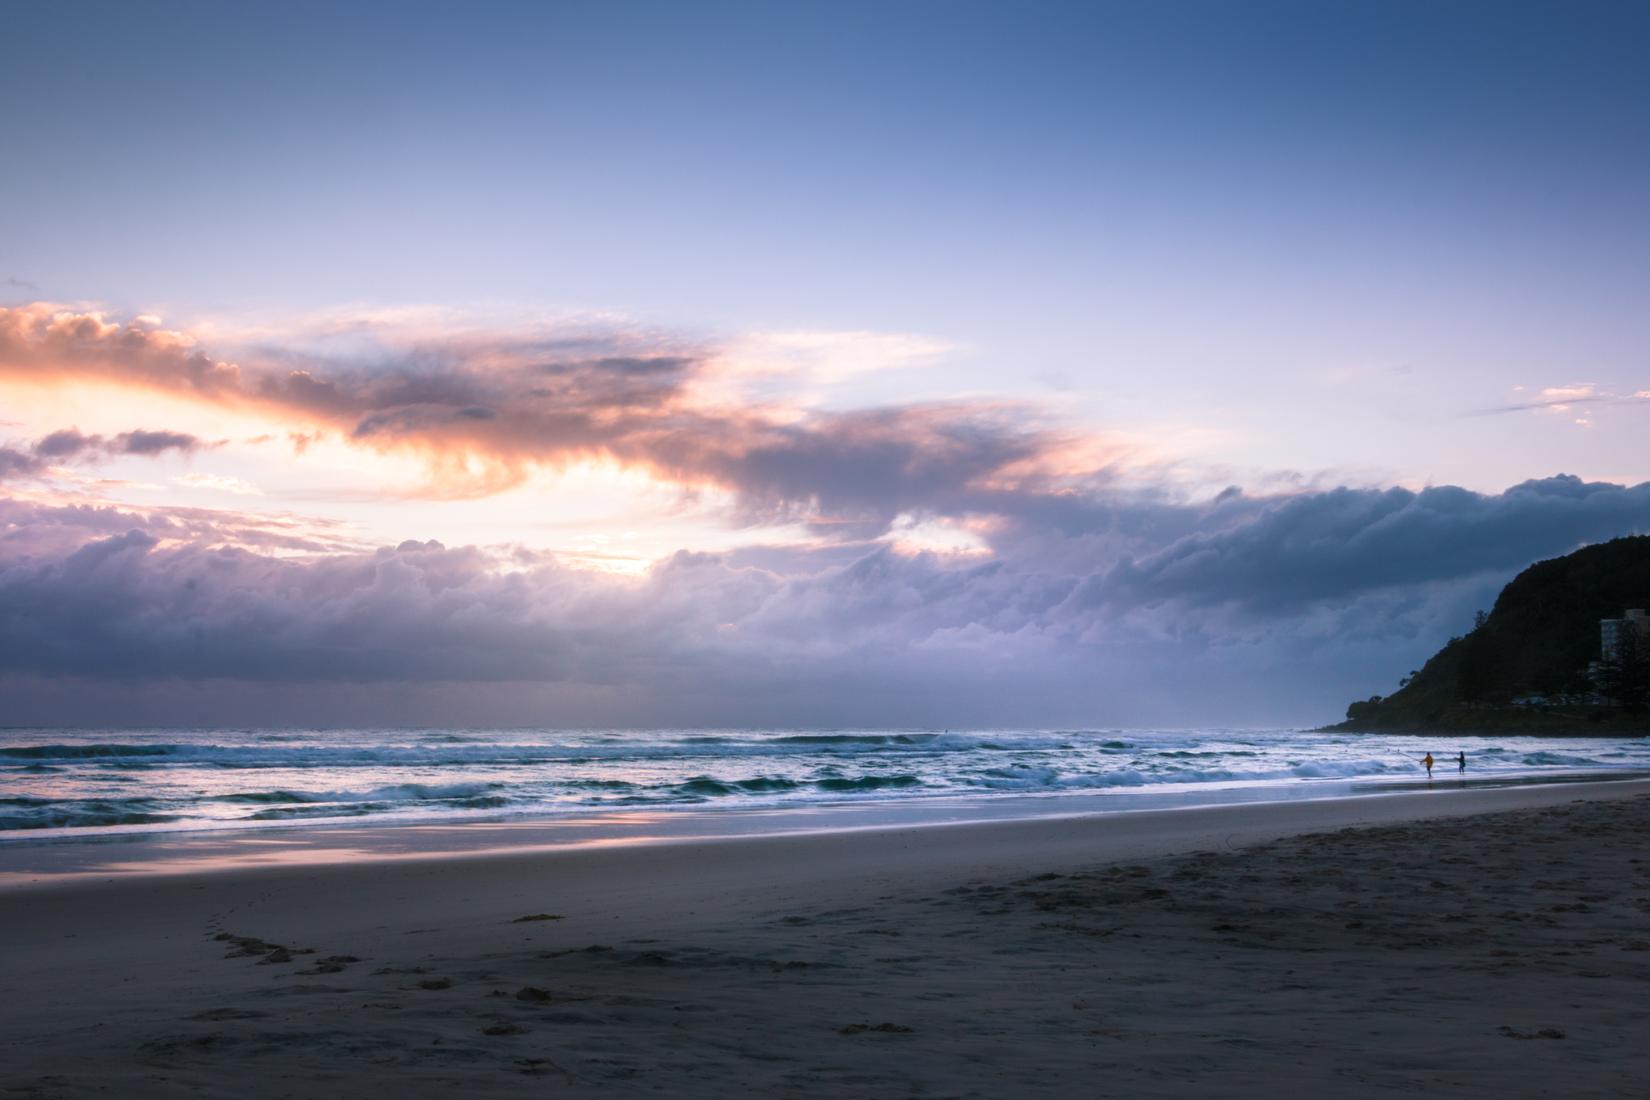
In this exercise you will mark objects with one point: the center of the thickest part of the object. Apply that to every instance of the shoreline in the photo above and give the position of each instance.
(98, 783)
(32, 861)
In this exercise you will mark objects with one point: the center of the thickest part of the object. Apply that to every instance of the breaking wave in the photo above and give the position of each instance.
(68, 780)
(28, 813)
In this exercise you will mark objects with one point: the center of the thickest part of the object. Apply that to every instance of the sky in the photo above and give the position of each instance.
(1103, 364)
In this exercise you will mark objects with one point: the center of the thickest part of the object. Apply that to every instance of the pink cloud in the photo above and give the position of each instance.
(484, 410)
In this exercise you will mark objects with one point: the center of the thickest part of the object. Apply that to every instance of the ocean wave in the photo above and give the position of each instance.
(83, 752)
(293, 813)
(41, 814)
(1547, 759)
(704, 785)
(856, 739)
(482, 754)
(1042, 777)
(312, 810)
(1192, 754)
(1031, 778)
(763, 784)
(868, 783)
(1019, 778)
(272, 796)
(701, 786)
(227, 778)
(400, 792)
(1342, 769)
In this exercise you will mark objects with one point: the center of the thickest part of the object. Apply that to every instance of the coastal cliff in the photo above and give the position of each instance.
(1524, 667)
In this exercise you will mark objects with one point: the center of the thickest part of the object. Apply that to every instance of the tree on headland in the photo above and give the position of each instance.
(1363, 708)
(1540, 640)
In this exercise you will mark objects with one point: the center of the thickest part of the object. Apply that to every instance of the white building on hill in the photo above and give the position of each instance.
(1610, 631)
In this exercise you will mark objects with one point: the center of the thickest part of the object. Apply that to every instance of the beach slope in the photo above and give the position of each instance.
(1488, 942)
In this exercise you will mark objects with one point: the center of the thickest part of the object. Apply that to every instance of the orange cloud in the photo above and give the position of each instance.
(484, 410)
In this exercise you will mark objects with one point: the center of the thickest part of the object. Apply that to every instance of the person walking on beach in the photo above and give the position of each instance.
(1461, 761)
(1428, 762)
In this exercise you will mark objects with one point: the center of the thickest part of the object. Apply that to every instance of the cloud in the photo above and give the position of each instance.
(1560, 399)
(485, 408)
(40, 342)
(67, 443)
(15, 463)
(153, 443)
(974, 562)
(1152, 611)
(32, 531)
(221, 483)
(72, 445)
(1336, 544)
(826, 358)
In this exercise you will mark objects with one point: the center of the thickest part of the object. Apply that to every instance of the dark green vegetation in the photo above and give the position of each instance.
(1538, 640)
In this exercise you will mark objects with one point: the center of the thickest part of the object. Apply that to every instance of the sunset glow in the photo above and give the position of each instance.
(1112, 364)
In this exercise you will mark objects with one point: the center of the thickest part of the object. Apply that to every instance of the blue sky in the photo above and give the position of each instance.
(1283, 246)
(1176, 211)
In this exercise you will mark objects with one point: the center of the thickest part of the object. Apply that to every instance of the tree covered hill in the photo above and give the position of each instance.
(1538, 640)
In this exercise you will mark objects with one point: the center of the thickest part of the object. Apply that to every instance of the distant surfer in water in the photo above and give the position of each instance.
(1461, 761)
(1428, 762)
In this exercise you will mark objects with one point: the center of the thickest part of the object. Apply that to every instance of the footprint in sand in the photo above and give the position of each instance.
(332, 964)
(1544, 1033)
(886, 1028)
(229, 1014)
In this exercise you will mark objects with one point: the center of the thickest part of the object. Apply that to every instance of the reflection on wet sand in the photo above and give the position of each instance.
(26, 861)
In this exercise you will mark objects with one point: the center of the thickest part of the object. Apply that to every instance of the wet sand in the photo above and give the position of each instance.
(1456, 942)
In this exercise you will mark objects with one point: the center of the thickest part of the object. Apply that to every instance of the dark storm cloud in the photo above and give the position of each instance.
(1329, 545)
(1325, 582)
(1087, 599)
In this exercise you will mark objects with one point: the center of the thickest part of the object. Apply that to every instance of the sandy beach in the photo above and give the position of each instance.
(824, 550)
(1470, 942)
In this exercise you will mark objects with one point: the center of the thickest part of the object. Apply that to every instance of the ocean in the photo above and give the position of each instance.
(100, 782)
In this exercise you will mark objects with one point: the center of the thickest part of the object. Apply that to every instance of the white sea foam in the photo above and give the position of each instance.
(61, 782)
